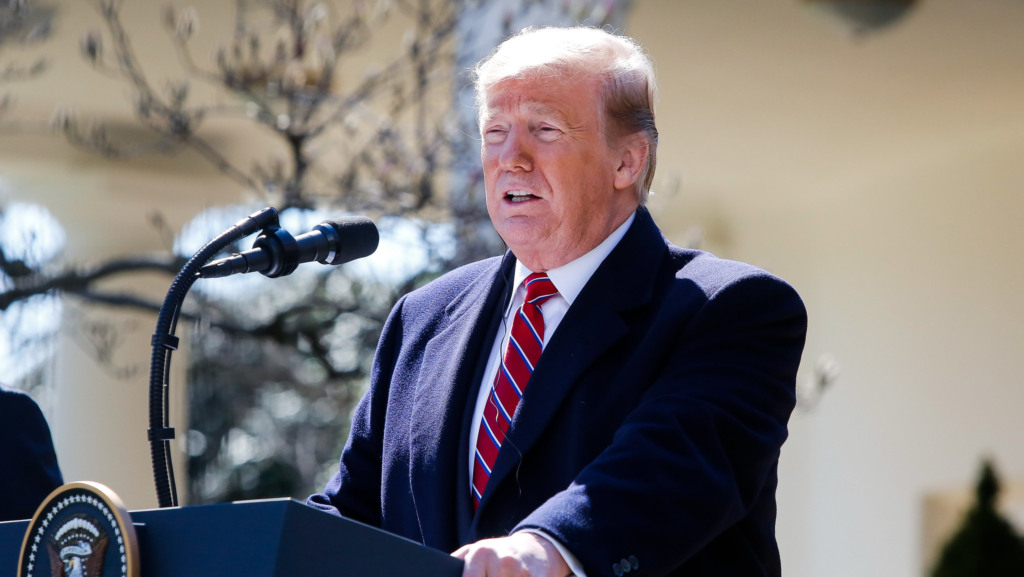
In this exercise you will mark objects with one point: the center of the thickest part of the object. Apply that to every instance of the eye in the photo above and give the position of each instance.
(548, 133)
(495, 134)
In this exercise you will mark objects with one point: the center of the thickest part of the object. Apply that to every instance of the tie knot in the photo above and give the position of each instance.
(539, 288)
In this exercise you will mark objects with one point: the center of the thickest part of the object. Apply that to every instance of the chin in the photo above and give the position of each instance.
(520, 229)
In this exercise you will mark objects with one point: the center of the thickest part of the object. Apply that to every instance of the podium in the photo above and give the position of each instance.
(270, 538)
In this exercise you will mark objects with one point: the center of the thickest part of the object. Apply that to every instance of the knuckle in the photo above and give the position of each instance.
(510, 567)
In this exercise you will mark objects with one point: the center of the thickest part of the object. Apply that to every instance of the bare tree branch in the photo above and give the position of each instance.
(81, 281)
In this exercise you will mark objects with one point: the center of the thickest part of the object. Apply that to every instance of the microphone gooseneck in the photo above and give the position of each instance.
(275, 253)
(160, 433)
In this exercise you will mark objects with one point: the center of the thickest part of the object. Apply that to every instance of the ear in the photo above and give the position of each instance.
(631, 158)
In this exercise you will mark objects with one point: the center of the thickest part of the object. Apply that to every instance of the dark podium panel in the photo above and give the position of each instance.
(273, 538)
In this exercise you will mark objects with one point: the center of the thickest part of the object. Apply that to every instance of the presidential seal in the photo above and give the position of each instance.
(81, 530)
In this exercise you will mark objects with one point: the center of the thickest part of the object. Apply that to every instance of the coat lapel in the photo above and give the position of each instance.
(593, 324)
(449, 369)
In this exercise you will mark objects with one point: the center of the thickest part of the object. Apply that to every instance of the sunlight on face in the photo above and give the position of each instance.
(549, 169)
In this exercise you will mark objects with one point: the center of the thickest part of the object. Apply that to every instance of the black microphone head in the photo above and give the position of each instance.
(358, 238)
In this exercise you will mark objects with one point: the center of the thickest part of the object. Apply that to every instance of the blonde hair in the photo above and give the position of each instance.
(626, 71)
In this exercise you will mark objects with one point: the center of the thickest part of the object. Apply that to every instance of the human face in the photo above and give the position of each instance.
(555, 187)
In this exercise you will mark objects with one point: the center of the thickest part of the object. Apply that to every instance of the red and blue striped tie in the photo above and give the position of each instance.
(524, 346)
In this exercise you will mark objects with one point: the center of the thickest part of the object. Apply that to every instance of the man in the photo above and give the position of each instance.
(28, 463)
(645, 439)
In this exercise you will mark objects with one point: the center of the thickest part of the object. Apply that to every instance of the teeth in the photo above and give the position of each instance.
(518, 195)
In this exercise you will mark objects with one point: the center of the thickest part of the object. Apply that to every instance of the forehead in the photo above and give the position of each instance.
(547, 95)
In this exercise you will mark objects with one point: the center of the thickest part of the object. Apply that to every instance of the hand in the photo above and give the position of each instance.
(518, 555)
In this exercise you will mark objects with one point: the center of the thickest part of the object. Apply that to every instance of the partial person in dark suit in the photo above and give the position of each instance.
(28, 463)
(597, 401)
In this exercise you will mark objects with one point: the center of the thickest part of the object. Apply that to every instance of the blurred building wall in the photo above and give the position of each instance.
(881, 176)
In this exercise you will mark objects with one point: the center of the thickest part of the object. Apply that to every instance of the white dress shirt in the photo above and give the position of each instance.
(569, 279)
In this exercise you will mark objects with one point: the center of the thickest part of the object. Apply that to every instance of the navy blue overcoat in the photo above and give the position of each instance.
(647, 440)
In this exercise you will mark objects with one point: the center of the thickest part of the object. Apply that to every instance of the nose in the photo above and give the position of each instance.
(515, 152)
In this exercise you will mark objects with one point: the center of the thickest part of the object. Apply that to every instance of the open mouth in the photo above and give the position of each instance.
(519, 196)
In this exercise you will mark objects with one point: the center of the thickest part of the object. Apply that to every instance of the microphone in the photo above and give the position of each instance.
(277, 253)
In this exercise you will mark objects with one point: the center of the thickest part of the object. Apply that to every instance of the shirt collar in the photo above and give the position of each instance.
(571, 277)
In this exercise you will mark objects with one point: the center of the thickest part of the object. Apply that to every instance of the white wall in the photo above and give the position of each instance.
(915, 287)
(884, 179)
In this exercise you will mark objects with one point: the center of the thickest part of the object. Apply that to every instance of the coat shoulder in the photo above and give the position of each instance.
(453, 285)
(713, 274)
